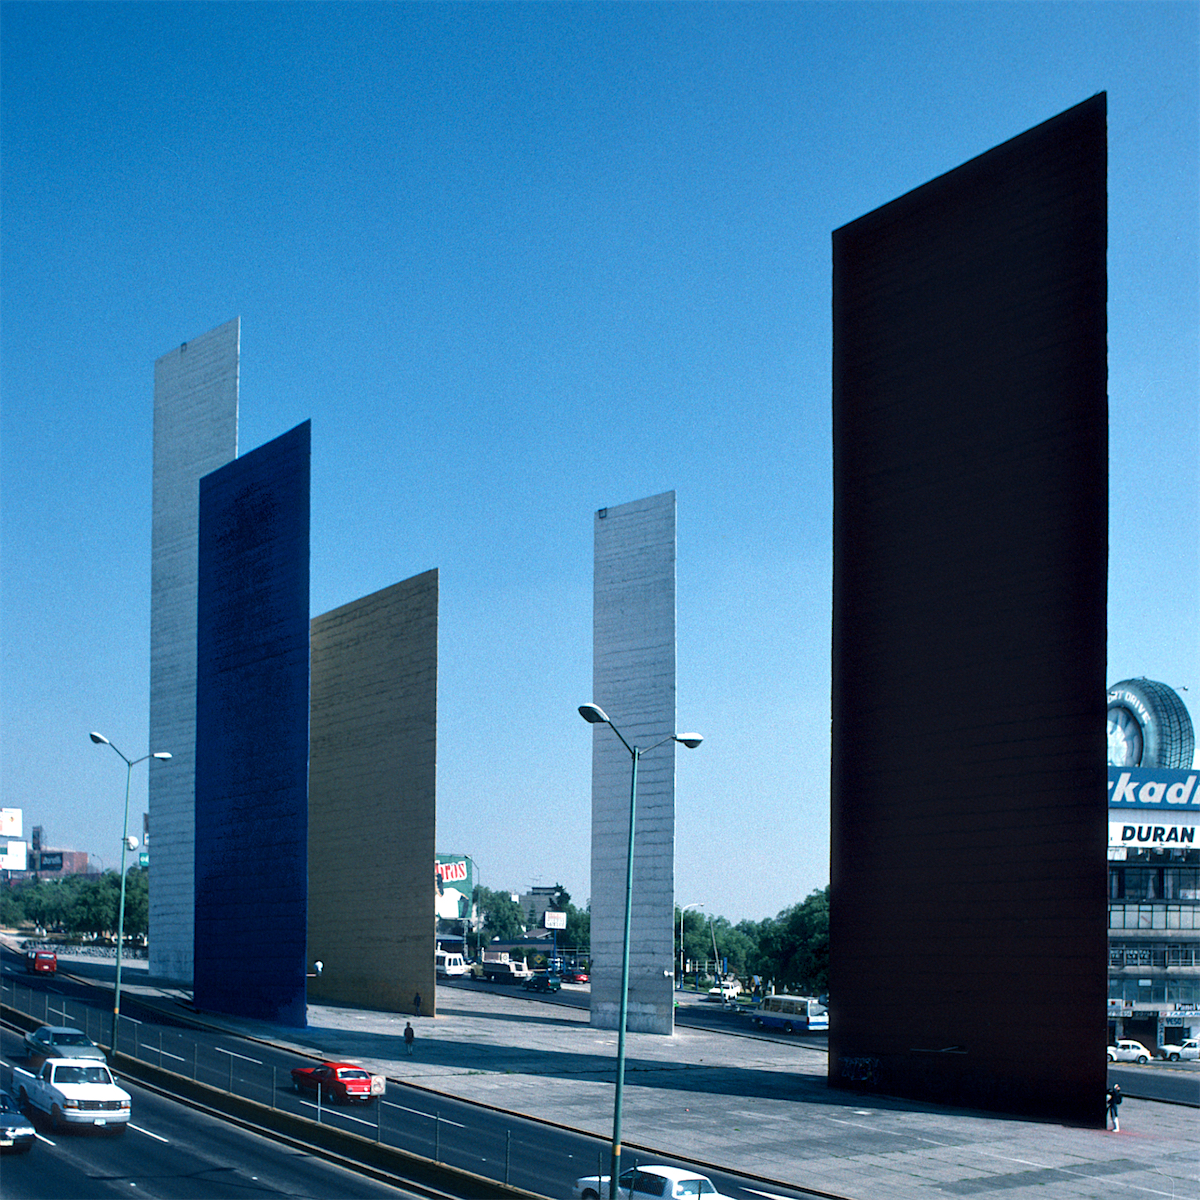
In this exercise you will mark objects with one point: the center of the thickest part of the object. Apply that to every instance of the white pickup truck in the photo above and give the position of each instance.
(73, 1091)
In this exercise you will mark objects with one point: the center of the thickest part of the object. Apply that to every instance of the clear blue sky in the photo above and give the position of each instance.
(518, 262)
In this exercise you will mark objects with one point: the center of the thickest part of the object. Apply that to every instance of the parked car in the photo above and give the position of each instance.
(339, 1083)
(16, 1130)
(575, 976)
(1127, 1050)
(543, 982)
(1190, 1049)
(41, 962)
(647, 1181)
(61, 1041)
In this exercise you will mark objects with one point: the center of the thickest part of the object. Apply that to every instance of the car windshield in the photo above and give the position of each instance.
(6, 1103)
(82, 1075)
(695, 1187)
(70, 1039)
(353, 1074)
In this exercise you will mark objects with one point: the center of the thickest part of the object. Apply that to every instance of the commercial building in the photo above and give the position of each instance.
(1153, 866)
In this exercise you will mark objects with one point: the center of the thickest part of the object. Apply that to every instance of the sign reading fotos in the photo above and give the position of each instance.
(453, 886)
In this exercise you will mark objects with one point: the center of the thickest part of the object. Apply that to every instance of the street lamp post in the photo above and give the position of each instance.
(594, 715)
(126, 841)
(682, 956)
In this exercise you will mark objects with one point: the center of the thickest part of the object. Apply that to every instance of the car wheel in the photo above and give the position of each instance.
(1142, 1059)
(1173, 1058)
(1112, 1058)
(787, 1027)
(590, 1195)
(1148, 726)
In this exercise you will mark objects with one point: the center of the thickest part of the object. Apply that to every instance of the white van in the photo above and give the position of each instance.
(447, 964)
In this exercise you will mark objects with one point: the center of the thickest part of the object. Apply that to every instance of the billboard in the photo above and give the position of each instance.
(1153, 810)
(10, 822)
(452, 881)
(13, 856)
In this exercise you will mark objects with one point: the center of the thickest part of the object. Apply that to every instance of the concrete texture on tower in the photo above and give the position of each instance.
(372, 798)
(969, 617)
(633, 680)
(195, 432)
(252, 733)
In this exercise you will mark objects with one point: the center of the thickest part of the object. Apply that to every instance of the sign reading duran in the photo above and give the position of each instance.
(1132, 787)
(1168, 833)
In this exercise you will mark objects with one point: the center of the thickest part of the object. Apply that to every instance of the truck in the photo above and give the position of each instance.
(499, 968)
(73, 1092)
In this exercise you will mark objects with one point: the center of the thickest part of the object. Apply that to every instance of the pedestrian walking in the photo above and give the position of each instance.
(409, 1037)
(1114, 1104)
(417, 1004)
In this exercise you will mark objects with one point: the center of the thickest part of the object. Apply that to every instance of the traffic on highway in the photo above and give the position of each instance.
(170, 1148)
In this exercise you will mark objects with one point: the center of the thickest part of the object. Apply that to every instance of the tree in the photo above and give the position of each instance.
(793, 947)
(502, 915)
(95, 907)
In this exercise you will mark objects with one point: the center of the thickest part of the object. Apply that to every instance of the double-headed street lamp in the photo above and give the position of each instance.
(594, 715)
(127, 843)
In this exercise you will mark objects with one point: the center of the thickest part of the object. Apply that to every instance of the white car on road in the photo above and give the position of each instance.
(1127, 1050)
(646, 1181)
(1189, 1049)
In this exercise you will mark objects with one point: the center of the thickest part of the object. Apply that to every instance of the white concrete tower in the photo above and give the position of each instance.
(633, 680)
(195, 432)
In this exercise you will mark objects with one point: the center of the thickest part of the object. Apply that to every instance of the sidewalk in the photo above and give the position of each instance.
(742, 1102)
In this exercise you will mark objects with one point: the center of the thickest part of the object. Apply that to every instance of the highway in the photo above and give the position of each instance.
(171, 1152)
(529, 1154)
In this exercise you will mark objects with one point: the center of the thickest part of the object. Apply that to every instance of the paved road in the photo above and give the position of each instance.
(173, 1152)
(750, 1103)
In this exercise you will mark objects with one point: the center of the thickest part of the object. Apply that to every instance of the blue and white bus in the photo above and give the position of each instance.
(792, 1014)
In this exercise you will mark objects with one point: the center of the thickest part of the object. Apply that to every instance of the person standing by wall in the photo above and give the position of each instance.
(1114, 1104)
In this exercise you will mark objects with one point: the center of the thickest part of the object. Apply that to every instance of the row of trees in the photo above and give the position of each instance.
(790, 950)
(79, 905)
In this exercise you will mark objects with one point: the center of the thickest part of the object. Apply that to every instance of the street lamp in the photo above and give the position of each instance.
(682, 957)
(594, 715)
(127, 843)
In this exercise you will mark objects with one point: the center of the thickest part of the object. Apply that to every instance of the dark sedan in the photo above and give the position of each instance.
(543, 983)
(16, 1132)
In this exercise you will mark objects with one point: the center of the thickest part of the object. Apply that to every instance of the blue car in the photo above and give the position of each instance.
(16, 1132)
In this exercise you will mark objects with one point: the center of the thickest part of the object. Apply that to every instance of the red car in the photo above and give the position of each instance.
(575, 976)
(41, 961)
(339, 1082)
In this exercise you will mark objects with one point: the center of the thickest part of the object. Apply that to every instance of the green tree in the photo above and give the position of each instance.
(793, 947)
(502, 915)
(95, 907)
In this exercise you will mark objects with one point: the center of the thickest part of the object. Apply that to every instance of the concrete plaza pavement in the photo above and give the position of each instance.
(744, 1102)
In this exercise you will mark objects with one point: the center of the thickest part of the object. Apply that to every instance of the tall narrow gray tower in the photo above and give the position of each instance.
(195, 432)
(633, 680)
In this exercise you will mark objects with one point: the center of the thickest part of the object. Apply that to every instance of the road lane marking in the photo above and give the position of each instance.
(416, 1112)
(155, 1136)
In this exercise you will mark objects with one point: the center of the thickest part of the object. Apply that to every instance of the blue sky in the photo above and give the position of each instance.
(518, 262)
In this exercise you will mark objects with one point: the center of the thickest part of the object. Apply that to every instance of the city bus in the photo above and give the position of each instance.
(792, 1014)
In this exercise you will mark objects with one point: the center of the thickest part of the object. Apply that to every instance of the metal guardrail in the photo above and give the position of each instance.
(247, 1089)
